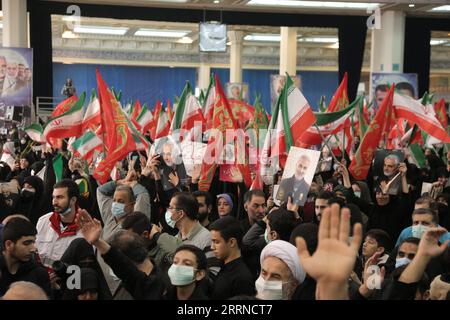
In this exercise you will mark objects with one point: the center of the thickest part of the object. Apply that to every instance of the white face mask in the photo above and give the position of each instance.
(269, 290)
(357, 194)
(399, 262)
(419, 230)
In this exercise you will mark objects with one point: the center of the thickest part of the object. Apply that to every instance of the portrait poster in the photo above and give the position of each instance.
(298, 174)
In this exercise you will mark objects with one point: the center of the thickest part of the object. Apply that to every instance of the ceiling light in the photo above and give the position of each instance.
(68, 34)
(216, 1)
(263, 37)
(334, 46)
(441, 9)
(320, 39)
(411, 5)
(101, 30)
(185, 40)
(161, 33)
(313, 4)
(435, 42)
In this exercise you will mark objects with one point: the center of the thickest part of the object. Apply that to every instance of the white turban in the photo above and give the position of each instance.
(287, 253)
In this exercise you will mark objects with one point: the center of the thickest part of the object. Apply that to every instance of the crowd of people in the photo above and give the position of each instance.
(132, 239)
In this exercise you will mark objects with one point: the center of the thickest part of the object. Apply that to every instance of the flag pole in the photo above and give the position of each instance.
(326, 142)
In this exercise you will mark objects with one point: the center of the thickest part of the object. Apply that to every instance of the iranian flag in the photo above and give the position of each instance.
(412, 110)
(145, 119)
(291, 118)
(162, 124)
(69, 124)
(85, 146)
(359, 167)
(187, 114)
(92, 116)
(329, 123)
(35, 132)
(118, 139)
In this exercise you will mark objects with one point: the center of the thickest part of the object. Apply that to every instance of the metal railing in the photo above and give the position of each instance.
(45, 107)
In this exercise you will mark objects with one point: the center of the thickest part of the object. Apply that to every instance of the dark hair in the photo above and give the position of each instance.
(382, 87)
(130, 244)
(206, 194)
(253, 193)
(307, 231)
(229, 227)
(17, 228)
(138, 222)
(433, 213)
(337, 200)
(446, 197)
(381, 237)
(405, 86)
(442, 172)
(412, 240)
(326, 195)
(425, 200)
(72, 187)
(282, 221)
(199, 255)
(187, 203)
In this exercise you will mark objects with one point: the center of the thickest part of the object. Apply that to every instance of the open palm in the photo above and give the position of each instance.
(334, 258)
(90, 228)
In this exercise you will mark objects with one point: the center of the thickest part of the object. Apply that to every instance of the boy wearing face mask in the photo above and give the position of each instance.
(281, 272)
(186, 273)
(423, 219)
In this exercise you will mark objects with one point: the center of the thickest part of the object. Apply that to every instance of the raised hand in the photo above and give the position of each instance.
(292, 206)
(372, 281)
(174, 179)
(429, 243)
(90, 228)
(236, 174)
(334, 259)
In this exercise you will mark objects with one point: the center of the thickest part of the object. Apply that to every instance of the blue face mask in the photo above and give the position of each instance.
(399, 262)
(118, 210)
(171, 223)
(181, 275)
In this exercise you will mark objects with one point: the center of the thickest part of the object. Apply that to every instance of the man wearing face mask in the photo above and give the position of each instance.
(423, 219)
(182, 214)
(57, 229)
(281, 272)
(116, 200)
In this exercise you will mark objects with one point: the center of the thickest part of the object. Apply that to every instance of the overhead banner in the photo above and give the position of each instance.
(16, 86)
(405, 83)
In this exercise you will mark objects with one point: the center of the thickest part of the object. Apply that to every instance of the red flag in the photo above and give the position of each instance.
(154, 124)
(222, 120)
(360, 164)
(340, 97)
(64, 106)
(135, 113)
(118, 139)
(169, 111)
(441, 113)
(242, 112)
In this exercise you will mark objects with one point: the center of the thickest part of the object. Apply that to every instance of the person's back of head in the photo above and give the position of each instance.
(137, 222)
(307, 231)
(23, 290)
(229, 227)
(423, 202)
(130, 244)
(282, 222)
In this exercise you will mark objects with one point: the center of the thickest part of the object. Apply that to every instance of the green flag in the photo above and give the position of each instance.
(58, 167)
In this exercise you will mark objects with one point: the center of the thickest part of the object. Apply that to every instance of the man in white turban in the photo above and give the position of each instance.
(281, 272)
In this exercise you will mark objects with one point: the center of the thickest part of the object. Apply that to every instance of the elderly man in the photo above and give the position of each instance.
(281, 272)
(296, 187)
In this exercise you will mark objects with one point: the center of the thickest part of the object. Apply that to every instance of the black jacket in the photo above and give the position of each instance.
(30, 271)
(140, 285)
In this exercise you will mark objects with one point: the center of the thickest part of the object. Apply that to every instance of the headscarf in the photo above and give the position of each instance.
(287, 253)
(227, 198)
